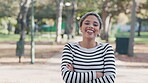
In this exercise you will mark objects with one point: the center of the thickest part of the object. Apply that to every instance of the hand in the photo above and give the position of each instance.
(99, 74)
(70, 67)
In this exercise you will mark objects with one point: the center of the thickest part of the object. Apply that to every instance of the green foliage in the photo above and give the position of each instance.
(3, 31)
(9, 7)
(45, 9)
(87, 6)
(48, 8)
(142, 9)
(4, 22)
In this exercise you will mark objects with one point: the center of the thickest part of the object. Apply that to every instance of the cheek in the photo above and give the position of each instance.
(97, 30)
(82, 28)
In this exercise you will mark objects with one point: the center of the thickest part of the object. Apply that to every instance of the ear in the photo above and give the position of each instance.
(80, 30)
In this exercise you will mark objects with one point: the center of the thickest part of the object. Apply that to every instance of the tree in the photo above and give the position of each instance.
(106, 18)
(111, 9)
(133, 21)
(8, 8)
(74, 6)
(21, 19)
(139, 27)
(141, 21)
(108, 9)
(45, 9)
(142, 15)
(142, 9)
(32, 53)
(71, 14)
(59, 21)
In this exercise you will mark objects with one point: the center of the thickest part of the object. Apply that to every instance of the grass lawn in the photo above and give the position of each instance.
(15, 37)
(143, 39)
(47, 37)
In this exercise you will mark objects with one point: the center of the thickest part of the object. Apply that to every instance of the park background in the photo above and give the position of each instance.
(33, 34)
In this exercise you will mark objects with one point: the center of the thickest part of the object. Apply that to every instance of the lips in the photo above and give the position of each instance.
(90, 30)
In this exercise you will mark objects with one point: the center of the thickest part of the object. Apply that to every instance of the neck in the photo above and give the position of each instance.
(88, 43)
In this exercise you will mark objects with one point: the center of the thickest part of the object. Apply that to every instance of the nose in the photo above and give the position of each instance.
(91, 27)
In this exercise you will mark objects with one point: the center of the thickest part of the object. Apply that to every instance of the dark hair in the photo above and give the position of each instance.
(90, 13)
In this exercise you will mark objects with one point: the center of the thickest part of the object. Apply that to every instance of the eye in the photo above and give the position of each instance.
(86, 23)
(95, 24)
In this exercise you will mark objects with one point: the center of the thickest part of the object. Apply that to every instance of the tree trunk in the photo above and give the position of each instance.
(106, 18)
(59, 21)
(21, 19)
(106, 28)
(73, 11)
(70, 26)
(139, 28)
(32, 50)
(133, 21)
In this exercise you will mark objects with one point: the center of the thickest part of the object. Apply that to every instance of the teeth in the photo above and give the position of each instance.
(89, 31)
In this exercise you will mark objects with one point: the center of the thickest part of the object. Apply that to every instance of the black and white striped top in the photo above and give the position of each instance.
(86, 62)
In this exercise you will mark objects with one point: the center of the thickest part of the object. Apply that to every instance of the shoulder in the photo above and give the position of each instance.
(71, 45)
(109, 51)
(106, 46)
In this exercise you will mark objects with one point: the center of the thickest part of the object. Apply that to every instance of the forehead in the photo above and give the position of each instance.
(91, 18)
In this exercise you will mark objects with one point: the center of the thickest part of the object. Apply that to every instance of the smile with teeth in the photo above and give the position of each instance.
(89, 31)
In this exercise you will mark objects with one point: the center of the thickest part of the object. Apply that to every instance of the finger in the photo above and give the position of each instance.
(69, 65)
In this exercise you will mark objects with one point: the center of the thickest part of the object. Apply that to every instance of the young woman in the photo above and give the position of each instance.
(88, 61)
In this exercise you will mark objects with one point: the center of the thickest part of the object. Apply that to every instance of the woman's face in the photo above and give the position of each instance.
(90, 27)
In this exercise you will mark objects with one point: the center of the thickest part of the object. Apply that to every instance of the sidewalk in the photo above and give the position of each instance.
(129, 72)
(50, 72)
(32, 73)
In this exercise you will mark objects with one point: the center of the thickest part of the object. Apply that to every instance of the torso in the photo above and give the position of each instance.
(88, 59)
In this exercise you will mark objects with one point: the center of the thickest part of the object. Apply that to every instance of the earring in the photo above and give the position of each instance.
(98, 35)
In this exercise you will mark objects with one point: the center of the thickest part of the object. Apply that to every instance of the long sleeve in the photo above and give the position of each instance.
(109, 67)
(73, 77)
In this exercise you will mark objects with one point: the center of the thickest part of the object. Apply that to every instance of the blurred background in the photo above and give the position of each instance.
(35, 31)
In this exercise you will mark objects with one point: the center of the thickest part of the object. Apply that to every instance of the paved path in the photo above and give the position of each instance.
(131, 74)
(32, 73)
(50, 73)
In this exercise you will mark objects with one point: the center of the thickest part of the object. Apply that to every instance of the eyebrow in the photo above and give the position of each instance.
(87, 21)
(96, 22)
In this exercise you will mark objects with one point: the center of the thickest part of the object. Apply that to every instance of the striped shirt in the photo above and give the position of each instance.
(87, 62)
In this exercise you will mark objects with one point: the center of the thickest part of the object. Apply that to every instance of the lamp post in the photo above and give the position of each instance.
(32, 35)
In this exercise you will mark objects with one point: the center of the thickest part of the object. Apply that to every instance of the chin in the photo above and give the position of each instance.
(90, 37)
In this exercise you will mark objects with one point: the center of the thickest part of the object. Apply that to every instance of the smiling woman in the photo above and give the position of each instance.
(88, 61)
(90, 27)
